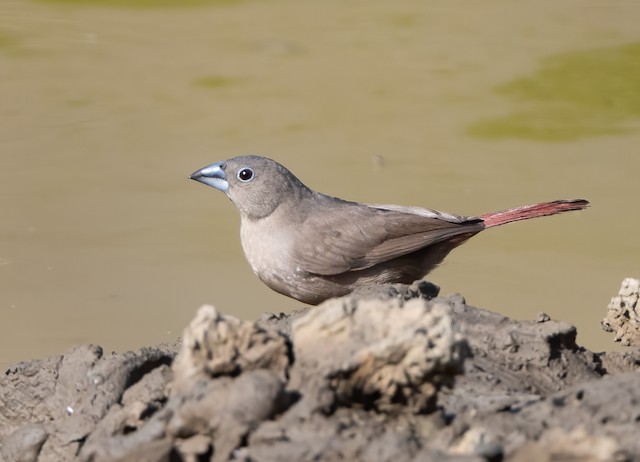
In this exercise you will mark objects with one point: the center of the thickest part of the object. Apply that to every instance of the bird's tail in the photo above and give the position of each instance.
(532, 211)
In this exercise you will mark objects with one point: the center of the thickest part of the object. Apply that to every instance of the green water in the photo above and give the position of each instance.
(215, 81)
(8, 43)
(572, 95)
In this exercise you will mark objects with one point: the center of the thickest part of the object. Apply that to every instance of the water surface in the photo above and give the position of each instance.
(107, 109)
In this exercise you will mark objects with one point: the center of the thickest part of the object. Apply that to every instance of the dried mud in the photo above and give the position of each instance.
(391, 373)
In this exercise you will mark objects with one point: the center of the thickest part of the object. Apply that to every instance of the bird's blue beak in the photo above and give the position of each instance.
(212, 175)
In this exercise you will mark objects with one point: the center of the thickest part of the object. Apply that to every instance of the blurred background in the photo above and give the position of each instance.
(106, 107)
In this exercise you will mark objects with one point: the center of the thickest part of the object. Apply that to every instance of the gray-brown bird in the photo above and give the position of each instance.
(312, 247)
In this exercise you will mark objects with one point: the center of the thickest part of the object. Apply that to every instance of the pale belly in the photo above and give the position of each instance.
(271, 254)
(269, 251)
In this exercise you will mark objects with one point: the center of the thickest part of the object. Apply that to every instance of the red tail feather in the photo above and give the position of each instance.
(532, 211)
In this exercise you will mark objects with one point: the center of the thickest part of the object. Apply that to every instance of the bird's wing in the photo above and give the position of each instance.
(356, 236)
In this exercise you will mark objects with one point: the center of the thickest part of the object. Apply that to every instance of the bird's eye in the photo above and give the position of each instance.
(245, 174)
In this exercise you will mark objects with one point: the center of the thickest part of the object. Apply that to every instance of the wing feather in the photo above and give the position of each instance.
(351, 236)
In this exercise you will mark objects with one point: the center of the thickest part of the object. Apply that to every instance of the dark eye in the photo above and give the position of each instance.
(245, 174)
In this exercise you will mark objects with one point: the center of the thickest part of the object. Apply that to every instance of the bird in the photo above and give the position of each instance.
(311, 246)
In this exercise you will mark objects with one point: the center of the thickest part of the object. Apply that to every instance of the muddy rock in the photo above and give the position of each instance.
(348, 352)
(389, 373)
(67, 397)
(623, 314)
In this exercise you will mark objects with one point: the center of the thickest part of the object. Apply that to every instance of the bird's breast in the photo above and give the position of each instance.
(268, 249)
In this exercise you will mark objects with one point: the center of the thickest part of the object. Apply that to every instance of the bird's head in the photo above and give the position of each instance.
(256, 185)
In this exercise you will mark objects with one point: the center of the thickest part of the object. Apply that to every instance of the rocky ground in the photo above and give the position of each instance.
(393, 373)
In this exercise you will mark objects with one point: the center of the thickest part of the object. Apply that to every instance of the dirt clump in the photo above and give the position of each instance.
(392, 373)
